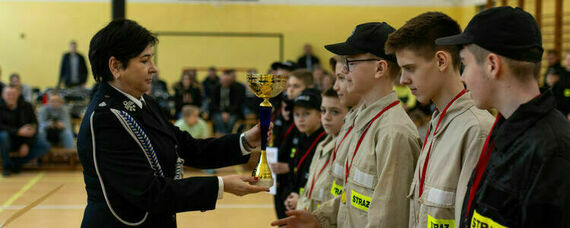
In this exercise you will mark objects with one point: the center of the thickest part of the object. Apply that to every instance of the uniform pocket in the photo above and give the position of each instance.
(438, 208)
(439, 198)
(364, 179)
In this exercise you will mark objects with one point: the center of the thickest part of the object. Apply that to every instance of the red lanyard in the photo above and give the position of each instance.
(347, 167)
(340, 143)
(315, 178)
(426, 162)
(309, 150)
(289, 130)
(481, 165)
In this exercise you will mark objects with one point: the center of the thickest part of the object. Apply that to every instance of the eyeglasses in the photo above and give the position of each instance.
(347, 62)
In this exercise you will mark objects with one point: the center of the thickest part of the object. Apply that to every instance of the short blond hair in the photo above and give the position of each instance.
(188, 110)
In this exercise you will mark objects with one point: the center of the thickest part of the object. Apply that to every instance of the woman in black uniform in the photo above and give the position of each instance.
(132, 156)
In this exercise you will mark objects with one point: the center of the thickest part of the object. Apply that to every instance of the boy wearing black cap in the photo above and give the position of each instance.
(380, 161)
(521, 178)
(457, 129)
(286, 135)
(307, 117)
(318, 186)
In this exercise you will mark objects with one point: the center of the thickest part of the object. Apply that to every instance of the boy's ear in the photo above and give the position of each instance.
(443, 59)
(381, 69)
(494, 66)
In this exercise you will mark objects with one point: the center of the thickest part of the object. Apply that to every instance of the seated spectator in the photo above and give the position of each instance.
(327, 82)
(227, 100)
(55, 122)
(159, 91)
(191, 122)
(24, 90)
(187, 91)
(559, 81)
(318, 75)
(210, 82)
(251, 104)
(553, 60)
(18, 127)
(308, 60)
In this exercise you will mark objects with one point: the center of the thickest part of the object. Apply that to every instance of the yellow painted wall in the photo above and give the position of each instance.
(49, 26)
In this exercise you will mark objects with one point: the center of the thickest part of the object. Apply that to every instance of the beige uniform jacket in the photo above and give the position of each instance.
(337, 169)
(454, 153)
(323, 181)
(379, 179)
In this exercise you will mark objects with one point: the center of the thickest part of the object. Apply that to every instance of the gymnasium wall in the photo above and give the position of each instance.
(34, 34)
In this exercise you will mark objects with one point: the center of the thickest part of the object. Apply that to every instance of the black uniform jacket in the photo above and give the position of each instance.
(527, 180)
(130, 184)
(299, 177)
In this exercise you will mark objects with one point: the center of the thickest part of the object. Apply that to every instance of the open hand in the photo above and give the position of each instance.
(241, 185)
(298, 219)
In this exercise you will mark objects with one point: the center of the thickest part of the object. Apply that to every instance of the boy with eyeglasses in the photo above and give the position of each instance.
(380, 161)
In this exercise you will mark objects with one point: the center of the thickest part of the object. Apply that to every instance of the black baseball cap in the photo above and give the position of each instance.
(366, 38)
(507, 31)
(287, 65)
(309, 98)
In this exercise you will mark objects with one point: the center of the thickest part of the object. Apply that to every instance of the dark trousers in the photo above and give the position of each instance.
(279, 201)
(37, 149)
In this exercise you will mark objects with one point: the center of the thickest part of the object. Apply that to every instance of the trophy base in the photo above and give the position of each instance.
(264, 183)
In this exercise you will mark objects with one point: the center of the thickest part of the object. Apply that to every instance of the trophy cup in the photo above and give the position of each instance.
(265, 86)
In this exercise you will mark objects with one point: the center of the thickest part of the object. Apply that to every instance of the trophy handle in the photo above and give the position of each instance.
(264, 121)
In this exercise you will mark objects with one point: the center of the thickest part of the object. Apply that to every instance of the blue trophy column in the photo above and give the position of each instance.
(264, 120)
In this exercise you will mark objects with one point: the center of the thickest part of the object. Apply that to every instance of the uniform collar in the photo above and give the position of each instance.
(326, 146)
(524, 117)
(461, 105)
(366, 113)
(138, 102)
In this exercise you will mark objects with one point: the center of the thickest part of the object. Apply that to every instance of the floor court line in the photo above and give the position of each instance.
(82, 206)
(22, 190)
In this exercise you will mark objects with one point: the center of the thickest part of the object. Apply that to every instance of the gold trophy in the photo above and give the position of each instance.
(265, 86)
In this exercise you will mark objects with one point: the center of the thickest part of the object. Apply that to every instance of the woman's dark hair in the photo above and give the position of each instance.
(124, 39)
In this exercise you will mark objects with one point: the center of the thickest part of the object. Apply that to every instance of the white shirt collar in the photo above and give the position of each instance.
(134, 99)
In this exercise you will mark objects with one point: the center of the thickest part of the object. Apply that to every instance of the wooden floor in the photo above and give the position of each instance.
(65, 207)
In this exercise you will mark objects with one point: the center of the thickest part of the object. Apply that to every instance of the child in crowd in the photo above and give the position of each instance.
(286, 135)
(191, 122)
(317, 188)
(307, 117)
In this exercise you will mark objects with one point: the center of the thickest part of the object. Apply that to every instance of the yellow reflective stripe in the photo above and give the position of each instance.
(343, 197)
(479, 221)
(301, 191)
(292, 154)
(336, 189)
(360, 201)
(440, 223)
(567, 92)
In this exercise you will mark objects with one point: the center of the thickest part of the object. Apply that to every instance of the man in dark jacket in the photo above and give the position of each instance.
(73, 71)
(521, 178)
(308, 60)
(227, 100)
(18, 128)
